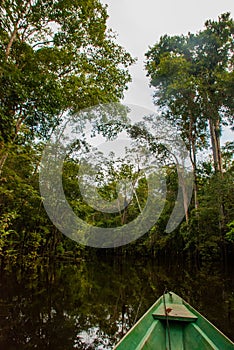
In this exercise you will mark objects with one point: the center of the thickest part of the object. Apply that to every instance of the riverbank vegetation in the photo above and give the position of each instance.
(58, 58)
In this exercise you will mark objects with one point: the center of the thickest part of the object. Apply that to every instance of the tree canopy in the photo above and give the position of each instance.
(193, 79)
(56, 57)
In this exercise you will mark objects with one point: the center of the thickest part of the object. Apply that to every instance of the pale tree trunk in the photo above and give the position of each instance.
(185, 194)
(215, 143)
(3, 160)
(193, 158)
(217, 157)
(217, 135)
(195, 189)
(16, 26)
(182, 184)
(12, 38)
(180, 172)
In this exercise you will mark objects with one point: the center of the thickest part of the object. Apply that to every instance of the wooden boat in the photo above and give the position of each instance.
(172, 324)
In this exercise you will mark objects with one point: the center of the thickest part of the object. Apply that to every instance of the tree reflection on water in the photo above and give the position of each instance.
(91, 305)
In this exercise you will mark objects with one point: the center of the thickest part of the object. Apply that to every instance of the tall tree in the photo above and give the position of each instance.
(55, 57)
(193, 77)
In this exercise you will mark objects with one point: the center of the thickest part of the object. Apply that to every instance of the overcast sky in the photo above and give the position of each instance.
(139, 24)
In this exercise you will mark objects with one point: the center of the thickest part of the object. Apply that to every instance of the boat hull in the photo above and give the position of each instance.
(173, 324)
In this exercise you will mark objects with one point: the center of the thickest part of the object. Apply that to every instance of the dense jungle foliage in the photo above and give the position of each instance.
(56, 58)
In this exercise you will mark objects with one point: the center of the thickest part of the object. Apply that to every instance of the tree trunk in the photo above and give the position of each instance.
(3, 160)
(12, 38)
(215, 143)
(217, 157)
(193, 157)
(184, 191)
(14, 33)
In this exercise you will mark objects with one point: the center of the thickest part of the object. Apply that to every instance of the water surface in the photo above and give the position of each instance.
(91, 304)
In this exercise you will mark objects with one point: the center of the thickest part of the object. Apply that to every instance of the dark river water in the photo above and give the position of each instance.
(91, 304)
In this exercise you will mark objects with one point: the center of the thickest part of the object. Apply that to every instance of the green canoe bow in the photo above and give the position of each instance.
(172, 324)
